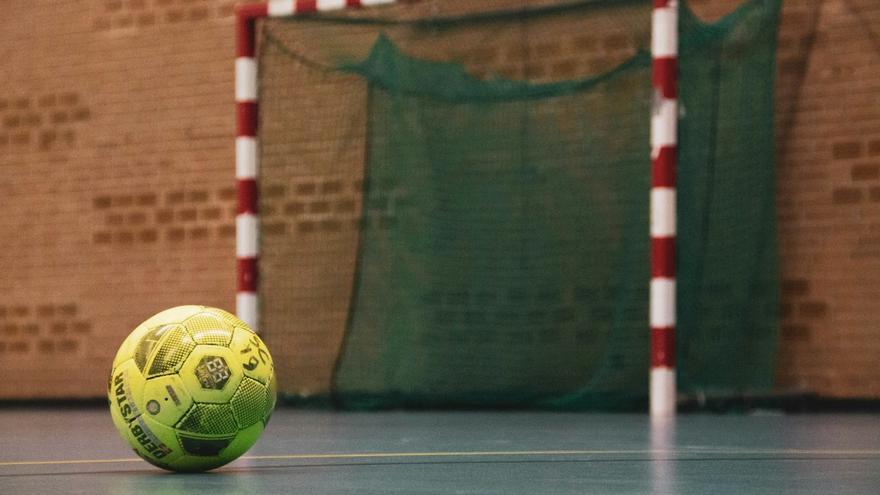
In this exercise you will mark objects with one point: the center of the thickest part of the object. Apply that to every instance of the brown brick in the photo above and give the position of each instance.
(345, 206)
(813, 309)
(846, 196)
(565, 69)
(164, 216)
(795, 287)
(865, 171)
(226, 231)
(274, 228)
(148, 235)
(846, 150)
(319, 207)
(146, 199)
(585, 42)
(146, 19)
(874, 193)
(115, 219)
(294, 208)
(794, 332)
(211, 214)
(101, 202)
(785, 310)
(102, 237)
(227, 193)
(175, 234)
(82, 327)
(306, 189)
(534, 70)
(198, 13)
(482, 55)
(305, 226)
(198, 233)
(68, 309)
(616, 42)
(175, 197)
(547, 50)
(136, 218)
(175, 15)
(274, 191)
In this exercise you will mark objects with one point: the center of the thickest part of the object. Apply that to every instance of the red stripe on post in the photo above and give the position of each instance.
(245, 37)
(247, 274)
(247, 196)
(664, 75)
(251, 10)
(663, 347)
(663, 257)
(247, 113)
(353, 3)
(245, 27)
(306, 6)
(663, 167)
(661, 4)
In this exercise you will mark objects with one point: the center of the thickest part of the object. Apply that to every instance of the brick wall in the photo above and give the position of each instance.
(116, 148)
(116, 128)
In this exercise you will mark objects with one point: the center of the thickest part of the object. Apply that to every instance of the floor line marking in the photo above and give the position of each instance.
(491, 453)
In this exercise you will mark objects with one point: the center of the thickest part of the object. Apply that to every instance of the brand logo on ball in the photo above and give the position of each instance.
(212, 372)
(124, 401)
(153, 407)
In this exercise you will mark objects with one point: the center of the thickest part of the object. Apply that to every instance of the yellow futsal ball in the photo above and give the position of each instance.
(191, 388)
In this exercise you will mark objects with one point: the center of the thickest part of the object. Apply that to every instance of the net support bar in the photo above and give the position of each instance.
(247, 169)
(664, 129)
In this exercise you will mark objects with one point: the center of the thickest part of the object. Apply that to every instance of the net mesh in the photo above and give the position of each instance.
(455, 208)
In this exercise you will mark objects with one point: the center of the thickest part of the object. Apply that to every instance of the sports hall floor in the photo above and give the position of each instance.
(76, 450)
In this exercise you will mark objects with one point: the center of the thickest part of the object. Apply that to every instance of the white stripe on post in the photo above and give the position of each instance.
(662, 302)
(662, 392)
(664, 37)
(246, 307)
(246, 158)
(281, 8)
(663, 212)
(247, 235)
(331, 4)
(245, 79)
(664, 124)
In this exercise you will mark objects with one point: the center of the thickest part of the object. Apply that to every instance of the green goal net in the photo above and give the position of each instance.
(455, 205)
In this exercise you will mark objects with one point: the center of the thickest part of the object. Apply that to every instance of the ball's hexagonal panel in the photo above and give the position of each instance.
(250, 402)
(211, 373)
(125, 393)
(174, 346)
(209, 420)
(166, 399)
(169, 316)
(208, 328)
(253, 354)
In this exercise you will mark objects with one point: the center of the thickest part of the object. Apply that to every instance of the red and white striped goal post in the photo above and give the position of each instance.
(664, 144)
(247, 167)
(664, 48)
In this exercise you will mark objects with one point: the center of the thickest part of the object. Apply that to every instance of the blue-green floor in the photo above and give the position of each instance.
(44, 451)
